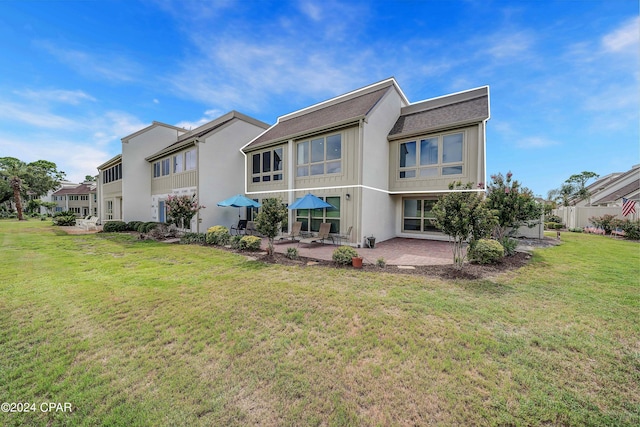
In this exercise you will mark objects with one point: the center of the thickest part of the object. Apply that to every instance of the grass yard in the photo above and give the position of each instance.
(138, 333)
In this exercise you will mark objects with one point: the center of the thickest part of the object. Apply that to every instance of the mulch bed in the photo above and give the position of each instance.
(449, 272)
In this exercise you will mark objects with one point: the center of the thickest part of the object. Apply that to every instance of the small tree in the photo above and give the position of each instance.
(463, 215)
(513, 205)
(269, 219)
(181, 209)
(579, 184)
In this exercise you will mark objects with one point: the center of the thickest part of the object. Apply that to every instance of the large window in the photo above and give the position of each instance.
(114, 173)
(417, 215)
(434, 156)
(267, 165)
(312, 218)
(190, 160)
(319, 156)
(178, 165)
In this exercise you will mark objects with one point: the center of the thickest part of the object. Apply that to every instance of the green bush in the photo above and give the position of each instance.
(343, 255)
(251, 243)
(114, 227)
(218, 235)
(553, 226)
(133, 225)
(236, 242)
(148, 226)
(631, 229)
(193, 239)
(380, 262)
(509, 244)
(554, 218)
(62, 218)
(576, 230)
(486, 251)
(292, 253)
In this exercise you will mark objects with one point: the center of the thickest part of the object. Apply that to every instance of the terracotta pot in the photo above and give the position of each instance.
(356, 261)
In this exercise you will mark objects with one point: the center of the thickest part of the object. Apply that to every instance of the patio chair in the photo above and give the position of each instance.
(80, 221)
(295, 234)
(323, 234)
(346, 236)
(239, 228)
(250, 229)
(91, 223)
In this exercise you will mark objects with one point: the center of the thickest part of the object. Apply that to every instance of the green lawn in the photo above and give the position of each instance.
(141, 333)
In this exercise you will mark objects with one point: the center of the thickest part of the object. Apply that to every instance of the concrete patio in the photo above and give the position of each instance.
(397, 251)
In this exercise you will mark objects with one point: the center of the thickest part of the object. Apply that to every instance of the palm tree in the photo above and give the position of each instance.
(12, 169)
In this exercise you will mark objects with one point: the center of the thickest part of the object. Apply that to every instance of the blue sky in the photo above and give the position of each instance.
(75, 77)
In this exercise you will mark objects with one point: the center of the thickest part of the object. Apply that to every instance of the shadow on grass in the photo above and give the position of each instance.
(485, 288)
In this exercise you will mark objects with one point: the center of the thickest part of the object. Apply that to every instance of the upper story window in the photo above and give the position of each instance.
(111, 174)
(267, 165)
(434, 156)
(319, 156)
(190, 160)
(161, 168)
(73, 197)
(178, 165)
(85, 197)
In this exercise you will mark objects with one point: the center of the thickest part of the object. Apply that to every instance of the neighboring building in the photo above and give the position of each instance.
(379, 159)
(161, 159)
(110, 189)
(80, 199)
(606, 199)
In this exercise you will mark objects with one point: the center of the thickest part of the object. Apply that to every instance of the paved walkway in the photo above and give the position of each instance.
(396, 251)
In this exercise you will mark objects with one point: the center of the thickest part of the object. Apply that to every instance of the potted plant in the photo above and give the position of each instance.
(356, 262)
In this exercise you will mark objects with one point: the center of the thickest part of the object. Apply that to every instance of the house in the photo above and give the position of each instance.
(606, 195)
(379, 159)
(80, 199)
(161, 159)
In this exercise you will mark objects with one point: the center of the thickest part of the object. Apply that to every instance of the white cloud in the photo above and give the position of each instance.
(311, 10)
(111, 66)
(73, 97)
(34, 117)
(506, 44)
(535, 142)
(624, 38)
(208, 116)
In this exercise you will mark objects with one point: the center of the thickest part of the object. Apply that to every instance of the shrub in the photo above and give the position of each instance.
(486, 251)
(631, 229)
(251, 243)
(343, 255)
(553, 226)
(133, 225)
(162, 231)
(62, 218)
(218, 235)
(509, 244)
(292, 253)
(114, 227)
(380, 262)
(553, 218)
(193, 239)
(148, 226)
(606, 222)
(236, 242)
(576, 230)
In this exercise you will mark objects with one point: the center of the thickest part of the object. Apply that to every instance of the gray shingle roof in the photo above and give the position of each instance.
(334, 114)
(441, 116)
(619, 193)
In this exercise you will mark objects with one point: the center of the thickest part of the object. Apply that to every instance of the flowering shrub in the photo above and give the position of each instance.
(180, 209)
(218, 235)
(250, 243)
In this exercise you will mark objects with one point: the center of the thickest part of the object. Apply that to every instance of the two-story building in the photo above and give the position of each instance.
(81, 199)
(379, 159)
(162, 160)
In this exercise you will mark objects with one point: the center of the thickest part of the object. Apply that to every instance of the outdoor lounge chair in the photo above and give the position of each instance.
(346, 236)
(80, 221)
(251, 230)
(91, 223)
(295, 234)
(323, 234)
(239, 228)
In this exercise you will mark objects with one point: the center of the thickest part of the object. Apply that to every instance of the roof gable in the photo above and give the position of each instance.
(443, 112)
(337, 111)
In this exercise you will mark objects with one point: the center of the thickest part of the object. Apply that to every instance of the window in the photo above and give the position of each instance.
(109, 209)
(177, 163)
(165, 167)
(312, 218)
(319, 156)
(430, 157)
(190, 160)
(73, 197)
(267, 165)
(114, 173)
(86, 197)
(417, 215)
(156, 169)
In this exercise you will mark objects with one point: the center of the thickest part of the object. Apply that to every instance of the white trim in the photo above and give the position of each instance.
(482, 190)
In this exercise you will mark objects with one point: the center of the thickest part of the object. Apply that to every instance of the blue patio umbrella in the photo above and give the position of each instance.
(310, 201)
(239, 201)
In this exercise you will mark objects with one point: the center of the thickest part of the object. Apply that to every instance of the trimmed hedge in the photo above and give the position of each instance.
(343, 255)
(486, 251)
(114, 227)
(250, 243)
(218, 235)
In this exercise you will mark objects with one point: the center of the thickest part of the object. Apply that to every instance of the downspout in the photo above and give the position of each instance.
(197, 144)
(291, 181)
(482, 157)
(360, 234)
